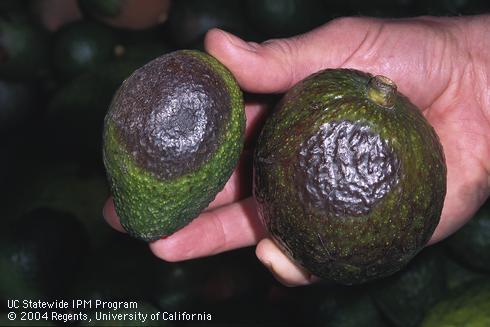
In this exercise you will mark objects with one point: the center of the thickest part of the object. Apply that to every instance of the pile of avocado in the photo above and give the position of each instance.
(56, 87)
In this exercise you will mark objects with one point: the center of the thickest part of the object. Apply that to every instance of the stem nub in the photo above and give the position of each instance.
(382, 91)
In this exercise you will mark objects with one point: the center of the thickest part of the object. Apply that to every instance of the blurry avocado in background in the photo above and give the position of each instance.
(6, 322)
(458, 274)
(405, 296)
(104, 8)
(466, 306)
(283, 18)
(331, 305)
(75, 114)
(18, 102)
(24, 48)
(52, 14)
(144, 308)
(66, 187)
(81, 46)
(189, 20)
(41, 254)
(129, 14)
(358, 311)
(382, 8)
(121, 268)
(471, 244)
(451, 7)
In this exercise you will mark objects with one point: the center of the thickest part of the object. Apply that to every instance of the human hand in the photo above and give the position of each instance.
(439, 63)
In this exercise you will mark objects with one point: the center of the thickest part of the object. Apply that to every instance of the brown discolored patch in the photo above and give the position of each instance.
(345, 169)
(170, 113)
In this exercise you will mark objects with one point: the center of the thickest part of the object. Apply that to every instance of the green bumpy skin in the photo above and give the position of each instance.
(157, 201)
(467, 306)
(349, 182)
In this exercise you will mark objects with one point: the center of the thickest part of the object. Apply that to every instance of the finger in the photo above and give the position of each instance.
(110, 216)
(275, 65)
(226, 228)
(281, 267)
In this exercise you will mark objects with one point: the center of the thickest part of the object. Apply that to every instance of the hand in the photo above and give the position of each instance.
(439, 63)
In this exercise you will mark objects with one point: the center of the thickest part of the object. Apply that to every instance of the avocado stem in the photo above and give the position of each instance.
(382, 91)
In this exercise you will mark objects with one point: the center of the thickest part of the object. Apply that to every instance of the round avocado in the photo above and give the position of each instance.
(83, 45)
(106, 8)
(471, 244)
(172, 137)
(41, 253)
(18, 101)
(405, 296)
(466, 306)
(24, 48)
(350, 178)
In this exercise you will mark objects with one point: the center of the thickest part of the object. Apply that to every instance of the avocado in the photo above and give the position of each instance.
(41, 253)
(18, 102)
(24, 48)
(466, 306)
(458, 274)
(405, 296)
(172, 137)
(350, 178)
(75, 114)
(189, 20)
(82, 45)
(471, 244)
(6, 322)
(284, 18)
(105, 8)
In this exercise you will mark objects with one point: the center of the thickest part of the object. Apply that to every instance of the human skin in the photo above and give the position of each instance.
(441, 64)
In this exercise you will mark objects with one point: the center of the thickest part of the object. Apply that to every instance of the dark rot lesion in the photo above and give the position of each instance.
(170, 114)
(345, 168)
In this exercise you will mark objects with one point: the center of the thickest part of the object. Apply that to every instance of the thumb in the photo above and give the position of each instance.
(275, 65)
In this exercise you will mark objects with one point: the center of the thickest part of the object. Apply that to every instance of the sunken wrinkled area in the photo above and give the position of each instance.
(169, 114)
(345, 169)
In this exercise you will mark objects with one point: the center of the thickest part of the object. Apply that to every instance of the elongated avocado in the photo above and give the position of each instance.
(172, 137)
(350, 178)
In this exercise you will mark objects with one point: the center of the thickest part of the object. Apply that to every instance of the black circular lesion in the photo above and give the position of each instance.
(169, 114)
(345, 168)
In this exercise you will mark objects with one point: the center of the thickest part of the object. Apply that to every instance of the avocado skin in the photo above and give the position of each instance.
(364, 231)
(165, 165)
(465, 306)
(24, 48)
(81, 46)
(471, 244)
(405, 296)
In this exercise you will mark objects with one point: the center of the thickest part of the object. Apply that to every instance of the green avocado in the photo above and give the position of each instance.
(82, 45)
(24, 48)
(105, 8)
(284, 18)
(350, 178)
(41, 253)
(471, 244)
(466, 306)
(18, 102)
(172, 137)
(408, 294)
(189, 20)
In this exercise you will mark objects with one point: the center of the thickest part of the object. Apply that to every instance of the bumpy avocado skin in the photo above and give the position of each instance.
(467, 305)
(349, 189)
(160, 180)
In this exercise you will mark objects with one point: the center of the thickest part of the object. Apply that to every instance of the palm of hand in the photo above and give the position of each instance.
(429, 63)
